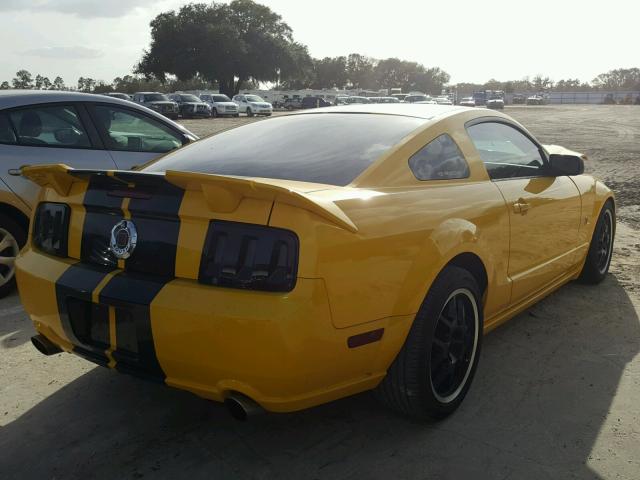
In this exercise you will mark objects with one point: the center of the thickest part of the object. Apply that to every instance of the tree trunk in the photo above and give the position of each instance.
(238, 85)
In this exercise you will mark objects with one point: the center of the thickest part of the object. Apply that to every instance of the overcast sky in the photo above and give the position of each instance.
(472, 40)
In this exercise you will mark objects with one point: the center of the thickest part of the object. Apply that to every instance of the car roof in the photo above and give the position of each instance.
(24, 98)
(19, 98)
(426, 111)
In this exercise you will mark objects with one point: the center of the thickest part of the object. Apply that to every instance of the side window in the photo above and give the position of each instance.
(7, 135)
(51, 126)
(440, 159)
(506, 152)
(131, 131)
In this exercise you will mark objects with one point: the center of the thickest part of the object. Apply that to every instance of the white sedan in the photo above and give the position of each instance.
(221, 105)
(253, 105)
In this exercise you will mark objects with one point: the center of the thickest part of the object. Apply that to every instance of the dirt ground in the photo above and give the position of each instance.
(555, 396)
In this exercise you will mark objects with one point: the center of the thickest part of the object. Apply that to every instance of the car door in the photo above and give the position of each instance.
(544, 209)
(242, 103)
(48, 134)
(132, 137)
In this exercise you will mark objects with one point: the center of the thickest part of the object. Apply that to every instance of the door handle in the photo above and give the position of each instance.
(521, 207)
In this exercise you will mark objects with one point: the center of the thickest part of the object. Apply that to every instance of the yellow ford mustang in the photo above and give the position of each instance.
(301, 259)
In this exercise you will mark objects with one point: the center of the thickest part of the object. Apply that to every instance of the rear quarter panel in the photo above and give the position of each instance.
(404, 239)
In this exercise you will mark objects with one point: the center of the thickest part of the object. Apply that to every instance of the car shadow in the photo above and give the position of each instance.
(544, 388)
(15, 326)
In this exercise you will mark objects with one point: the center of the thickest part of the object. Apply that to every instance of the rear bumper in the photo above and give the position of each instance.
(281, 350)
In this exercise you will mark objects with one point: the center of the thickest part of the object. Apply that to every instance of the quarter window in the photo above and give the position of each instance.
(440, 159)
(506, 152)
(52, 126)
(131, 131)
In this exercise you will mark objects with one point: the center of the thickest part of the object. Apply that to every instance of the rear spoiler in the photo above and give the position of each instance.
(223, 194)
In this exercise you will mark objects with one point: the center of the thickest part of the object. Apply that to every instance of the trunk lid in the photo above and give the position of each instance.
(171, 211)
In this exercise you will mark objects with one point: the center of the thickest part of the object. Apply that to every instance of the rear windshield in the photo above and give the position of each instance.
(189, 98)
(156, 97)
(329, 148)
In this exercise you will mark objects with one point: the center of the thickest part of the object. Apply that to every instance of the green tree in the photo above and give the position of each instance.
(102, 87)
(227, 44)
(360, 71)
(22, 79)
(46, 83)
(4, 85)
(330, 72)
(619, 79)
(58, 84)
(86, 84)
(39, 82)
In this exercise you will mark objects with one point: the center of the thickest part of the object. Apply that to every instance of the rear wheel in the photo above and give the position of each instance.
(214, 113)
(596, 266)
(249, 112)
(433, 372)
(12, 239)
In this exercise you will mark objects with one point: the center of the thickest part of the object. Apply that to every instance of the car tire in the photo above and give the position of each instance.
(596, 265)
(12, 238)
(431, 375)
(214, 113)
(249, 112)
(267, 115)
(237, 115)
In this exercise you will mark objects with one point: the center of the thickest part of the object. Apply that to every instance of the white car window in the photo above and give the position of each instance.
(130, 131)
(50, 126)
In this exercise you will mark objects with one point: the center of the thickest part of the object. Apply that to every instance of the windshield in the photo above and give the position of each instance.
(220, 98)
(156, 97)
(326, 148)
(254, 98)
(189, 98)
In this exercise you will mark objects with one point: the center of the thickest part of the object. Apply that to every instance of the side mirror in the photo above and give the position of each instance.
(566, 164)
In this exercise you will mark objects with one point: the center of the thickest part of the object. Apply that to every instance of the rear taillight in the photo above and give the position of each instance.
(51, 228)
(241, 255)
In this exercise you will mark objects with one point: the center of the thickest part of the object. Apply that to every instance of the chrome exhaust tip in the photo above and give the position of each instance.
(242, 407)
(44, 345)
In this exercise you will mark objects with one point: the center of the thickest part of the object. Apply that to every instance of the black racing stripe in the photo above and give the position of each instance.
(131, 295)
(158, 225)
(102, 212)
(73, 296)
(154, 213)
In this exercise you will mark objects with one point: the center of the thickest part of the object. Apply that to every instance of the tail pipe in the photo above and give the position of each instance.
(44, 345)
(242, 407)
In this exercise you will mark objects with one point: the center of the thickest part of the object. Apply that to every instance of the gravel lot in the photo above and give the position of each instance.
(555, 396)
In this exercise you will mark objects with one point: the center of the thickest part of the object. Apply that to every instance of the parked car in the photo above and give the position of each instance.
(535, 100)
(122, 96)
(495, 103)
(341, 100)
(443, 101)
(78, 129)
(383, 100)
(356, 99)
(268, 272)
(292, 103)
(158, 102)
(221, 105)
(467, 102)
(190, 106)
(314, 102)
(253, 105)
(418, 98)
(519, 99)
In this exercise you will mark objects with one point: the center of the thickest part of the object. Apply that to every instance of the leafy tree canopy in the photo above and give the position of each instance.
(228, 44)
